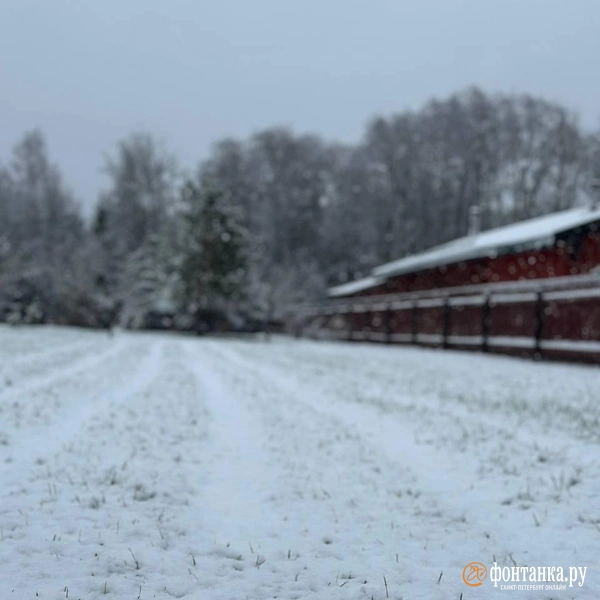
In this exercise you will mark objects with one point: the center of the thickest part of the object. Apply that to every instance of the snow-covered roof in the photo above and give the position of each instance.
(354, 286)
(536, 232)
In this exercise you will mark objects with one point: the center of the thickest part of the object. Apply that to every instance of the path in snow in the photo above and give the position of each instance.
(158, 466)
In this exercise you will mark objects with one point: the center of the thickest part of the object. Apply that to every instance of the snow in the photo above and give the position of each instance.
(535, 232)
(572, 294)
(163, 466)
(354, 287)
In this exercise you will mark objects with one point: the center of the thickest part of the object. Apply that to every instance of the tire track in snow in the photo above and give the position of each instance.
(455, 489)
(33, 442)
(50, 374)
(510, 390)
(206, 443)
(32, 340)
(122, 482)
(358, 511)
(39, 363)
(488, 424)
(236, 460)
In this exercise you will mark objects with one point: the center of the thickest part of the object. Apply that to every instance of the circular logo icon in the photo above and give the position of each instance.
(474, 574)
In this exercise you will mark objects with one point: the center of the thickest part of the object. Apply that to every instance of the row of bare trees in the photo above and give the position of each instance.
(410, 182)
(314, 213)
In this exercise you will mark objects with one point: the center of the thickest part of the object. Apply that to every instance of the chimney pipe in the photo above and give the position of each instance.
(474, 220)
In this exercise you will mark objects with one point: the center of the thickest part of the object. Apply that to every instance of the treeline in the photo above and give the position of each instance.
(271, 221)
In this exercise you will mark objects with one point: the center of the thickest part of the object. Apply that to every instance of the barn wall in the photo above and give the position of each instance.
(549, 321)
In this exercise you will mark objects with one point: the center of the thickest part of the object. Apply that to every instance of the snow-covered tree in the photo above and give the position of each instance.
(143, 187)
(147, 295)
(288, 214)
(214, 269)
(132, 226)
(43, 243)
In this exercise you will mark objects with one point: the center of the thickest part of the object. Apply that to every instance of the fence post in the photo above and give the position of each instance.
(446, 323)
(388, 323)
(414, 323)
(485, 323)
(539, 323)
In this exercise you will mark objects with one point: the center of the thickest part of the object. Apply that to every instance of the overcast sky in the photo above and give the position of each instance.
(87, 72)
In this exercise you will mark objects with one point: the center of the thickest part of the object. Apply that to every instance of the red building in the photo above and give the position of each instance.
(528, 288)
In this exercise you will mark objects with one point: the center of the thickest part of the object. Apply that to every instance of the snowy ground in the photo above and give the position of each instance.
(155, 466)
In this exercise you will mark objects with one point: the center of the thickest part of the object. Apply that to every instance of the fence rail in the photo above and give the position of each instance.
(552, 320)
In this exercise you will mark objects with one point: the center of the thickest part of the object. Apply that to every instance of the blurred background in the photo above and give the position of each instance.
(208, 166)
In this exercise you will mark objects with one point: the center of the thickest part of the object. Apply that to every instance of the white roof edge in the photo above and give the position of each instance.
(538, 231)
(352, 287)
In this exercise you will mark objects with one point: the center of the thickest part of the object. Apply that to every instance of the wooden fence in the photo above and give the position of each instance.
(554, 319)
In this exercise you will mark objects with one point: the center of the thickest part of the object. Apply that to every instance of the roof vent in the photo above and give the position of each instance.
(475, 220)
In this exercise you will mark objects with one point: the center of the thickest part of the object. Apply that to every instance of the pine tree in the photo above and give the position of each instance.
(214, 268)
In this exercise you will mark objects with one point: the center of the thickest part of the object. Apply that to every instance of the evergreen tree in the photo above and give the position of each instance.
(214, 267)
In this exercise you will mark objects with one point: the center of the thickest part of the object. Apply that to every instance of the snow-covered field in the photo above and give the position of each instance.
(157, 466)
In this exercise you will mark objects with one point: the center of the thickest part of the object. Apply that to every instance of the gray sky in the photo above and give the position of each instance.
(87, 72)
